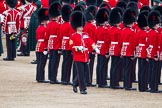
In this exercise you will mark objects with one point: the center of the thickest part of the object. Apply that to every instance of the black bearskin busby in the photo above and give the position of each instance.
(133, 5)
(50, 2)
(105, 5)
(159, 9)
(91, 13)
(153, 18)
(77, 19)
(142, 19)
(122, 5)
(11, 3)
(91, 2)
(66, 1)
(129, 16)
(115, 16)
(145, 8)
(79, 8)
(43, 14)
(55, 10)
(65, 12)
(102, 16)
(134, 1)
(99, 2)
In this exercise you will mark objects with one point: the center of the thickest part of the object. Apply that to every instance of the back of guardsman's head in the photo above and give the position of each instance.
(115, 16)
(129, 16)
(65, 12)
(106, 6)
(52, 1)
(77, 19)
(43, 14)
(29, 1)
(122, 5)
(142, 19)
(145, 8)
(99, 2)
(91, 12)
(79, 8)
(153, 18)
(55, 10)
(91, 2)
(11, 3)
(102, 16)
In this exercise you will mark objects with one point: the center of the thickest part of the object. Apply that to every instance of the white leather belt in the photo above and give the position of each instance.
(100, 42)
(11, 22)
(53, 36)
(125, 43)
(141, 44)
(41, 40)
(114, 42)
(65, 37)
(151, 46)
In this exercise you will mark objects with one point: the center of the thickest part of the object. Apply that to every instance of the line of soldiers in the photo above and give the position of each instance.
(80, 32)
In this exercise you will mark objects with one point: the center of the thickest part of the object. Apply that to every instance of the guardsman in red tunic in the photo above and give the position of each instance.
(159, 8)
(26, 10)
(128, 46)
(2, 9)
(102, 40)
(153, 49)
(41, 47)
(10, 27)
(90, 28)
(55, 41)
(65, 31)
(115, 47)
(141, 52)
(79, 42)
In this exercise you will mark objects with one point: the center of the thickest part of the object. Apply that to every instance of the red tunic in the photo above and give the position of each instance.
(102, 39)
(80, 40)
(144, 2)
(65, 31)
(90, 29)
(160, 46)
(44, 3)
(142, 44)
(53, 33)
(153, 43)
(41, 37)
(11, 22)
(112, 2)
(115, 45)
(128, 42)
(26, 12)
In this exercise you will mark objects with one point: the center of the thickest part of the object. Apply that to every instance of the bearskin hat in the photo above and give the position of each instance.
(126, 1)
(134, 6)
(145, 8)
(43, 14)
(105, 5)
(55, 9)
(115, 16)
(99, 2)
(66, 11)
(72, 1)
(153, 18)
(11, 3)
(29, 1)
(91, 2)
(129, 16)
(79, 8)
(134, 1)
(52, 1)
(101, 16)
(77, 19)
(159, 9)
(91, 13)
(142, 19)
(23, 2)
(66, 1)
(122, 5)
